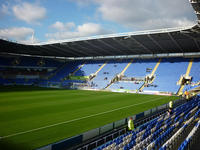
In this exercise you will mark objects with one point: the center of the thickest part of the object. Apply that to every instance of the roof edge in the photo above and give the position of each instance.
(156, 31)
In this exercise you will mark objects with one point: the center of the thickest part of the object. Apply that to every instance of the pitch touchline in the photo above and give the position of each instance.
(65, 122)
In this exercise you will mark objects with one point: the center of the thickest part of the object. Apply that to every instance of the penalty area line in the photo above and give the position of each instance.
(77, 119)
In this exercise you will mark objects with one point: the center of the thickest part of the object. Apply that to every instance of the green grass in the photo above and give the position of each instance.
(27, 108)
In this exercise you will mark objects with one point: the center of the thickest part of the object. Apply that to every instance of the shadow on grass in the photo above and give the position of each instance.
(9, 145)
(24, 88)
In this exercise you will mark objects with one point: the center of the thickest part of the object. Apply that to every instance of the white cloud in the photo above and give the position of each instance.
(17, 33)
(145, 14)
(149, 14)
(63, 26)
(20, 34)
(87, 29)
(30, 13)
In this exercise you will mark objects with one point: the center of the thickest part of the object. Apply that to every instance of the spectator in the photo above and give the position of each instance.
(170, 111)
(130, 124)
(186, 95)
(170, 105)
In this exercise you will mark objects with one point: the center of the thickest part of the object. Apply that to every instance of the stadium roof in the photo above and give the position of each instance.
(162, 41)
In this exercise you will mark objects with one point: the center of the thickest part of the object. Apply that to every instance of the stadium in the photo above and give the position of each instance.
(80, 93)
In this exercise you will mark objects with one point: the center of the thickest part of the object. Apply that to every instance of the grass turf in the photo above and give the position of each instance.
(27, 108)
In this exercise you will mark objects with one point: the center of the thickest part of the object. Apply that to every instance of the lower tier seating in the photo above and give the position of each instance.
(164, 132)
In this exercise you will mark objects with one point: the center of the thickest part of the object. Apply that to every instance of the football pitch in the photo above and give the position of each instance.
(32, 117)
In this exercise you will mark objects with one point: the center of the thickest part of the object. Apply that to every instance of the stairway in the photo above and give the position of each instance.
(73, 73)
(180, 90)
(152, 73)
(122, 73)
(96, 73)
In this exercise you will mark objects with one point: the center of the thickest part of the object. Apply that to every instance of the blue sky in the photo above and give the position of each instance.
(63, 19)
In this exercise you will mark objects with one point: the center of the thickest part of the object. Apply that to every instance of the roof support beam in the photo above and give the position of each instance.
(143, 56)
(63, 50)
(52, 49)
(82, 49)
(97, 47)
(175, 42)
(77, 51)
(196, 29)
(40, 47)
(155, 42)
(87, 49)
(143, 46)
(120, 43)
(109, 45)
(195, 41)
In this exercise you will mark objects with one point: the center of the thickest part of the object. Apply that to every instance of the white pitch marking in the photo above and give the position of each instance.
(65, 122)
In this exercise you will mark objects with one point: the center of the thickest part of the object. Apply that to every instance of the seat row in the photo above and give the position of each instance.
(159, 132)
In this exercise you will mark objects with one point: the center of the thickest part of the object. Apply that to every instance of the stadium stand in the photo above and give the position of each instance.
(108, 73)
(129, 75)
(194, 73)
(26, 70)
(164, 61)
(169, 70)
(163, 132)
